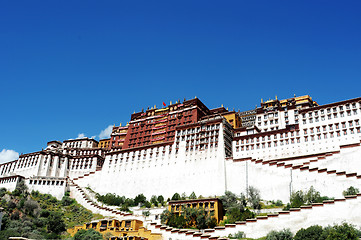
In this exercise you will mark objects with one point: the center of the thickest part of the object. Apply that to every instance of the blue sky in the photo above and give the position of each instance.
(72, 67)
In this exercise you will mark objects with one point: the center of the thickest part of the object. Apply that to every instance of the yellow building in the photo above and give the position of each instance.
(125, 229)
(211, 206)
(233, 118)
(104, 143)
(297, 102)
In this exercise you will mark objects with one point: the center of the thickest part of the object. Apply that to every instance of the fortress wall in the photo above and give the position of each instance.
(48, 187)
(185, 171)
(277, 182)
(347, 160)
(9, 182)
(273, 182)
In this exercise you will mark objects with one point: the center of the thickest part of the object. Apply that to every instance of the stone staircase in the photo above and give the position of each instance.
(83, 198)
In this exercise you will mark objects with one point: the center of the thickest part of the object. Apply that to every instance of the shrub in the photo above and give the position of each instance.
(146, 213)
(343, 231)
(284, 234)
(237, 235)
(350, 191)
(91, 234)
(311, 233)
(55, 223)
(229, 200)
(67, 201)
(30, 206)
(2, 192)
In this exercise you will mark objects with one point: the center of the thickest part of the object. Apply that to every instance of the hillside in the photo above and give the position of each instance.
(39, 216)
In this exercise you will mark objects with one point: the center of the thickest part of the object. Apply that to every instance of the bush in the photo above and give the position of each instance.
(30, 206)
(235, 214)
(300, 198)
(343, 231)
(284, 234)
(91, 234)
(237, 235)
(2, 192)
(312, 233)
(350, 191)
(147, 204)
(229, 200)
(337, 232)
(55, 223)
(67, 201)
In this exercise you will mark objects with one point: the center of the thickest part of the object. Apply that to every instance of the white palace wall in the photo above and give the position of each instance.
(157, 174)
(277, 182)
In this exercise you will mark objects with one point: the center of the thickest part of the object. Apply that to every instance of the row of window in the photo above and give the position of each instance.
(8, 180)
(269, 137)
(329, 116)
(297, 140)
(197, 136)
(331, 127)
(46, 182)
(197, 129)
(346, 107)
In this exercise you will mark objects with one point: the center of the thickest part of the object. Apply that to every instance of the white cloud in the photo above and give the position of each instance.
(7, 155)
(81, 135)
(106, 132)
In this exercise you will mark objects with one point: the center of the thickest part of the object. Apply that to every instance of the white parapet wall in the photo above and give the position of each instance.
(48, 185)
(278, 181)
(163, 171)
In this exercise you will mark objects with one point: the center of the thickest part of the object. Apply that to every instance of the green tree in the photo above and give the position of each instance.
(311, 233)
(154, 200)
(344, 231)
(176, 196)
(254, 197)
(90, 234)
(30, 206)
(237, 235)
(2, 192)
(312, 196)
(139, 199)
(55, 223)
(235, 214)
(229, 199)
(350, 191)
(147, 204)
(146, 214)
(284, 234)
(184, 196)
(161, 200)
(193, 196)
(297, 199)
(21, 187)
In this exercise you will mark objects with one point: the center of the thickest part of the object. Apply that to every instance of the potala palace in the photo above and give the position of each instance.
(282, 146)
